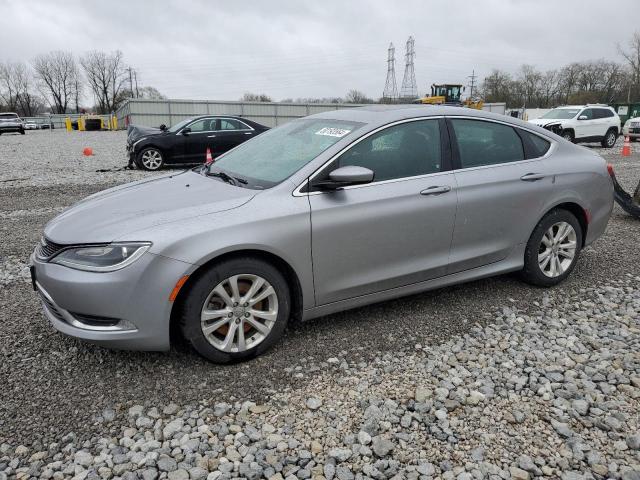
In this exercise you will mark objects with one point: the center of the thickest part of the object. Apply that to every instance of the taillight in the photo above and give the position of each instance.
(610, 170)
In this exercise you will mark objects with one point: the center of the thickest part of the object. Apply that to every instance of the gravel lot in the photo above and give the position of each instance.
(492, 379)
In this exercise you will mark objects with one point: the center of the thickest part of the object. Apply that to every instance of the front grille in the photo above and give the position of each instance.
(48, 249)
(51, 307)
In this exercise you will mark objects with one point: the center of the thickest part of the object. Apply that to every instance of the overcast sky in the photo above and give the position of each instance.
(199, 49)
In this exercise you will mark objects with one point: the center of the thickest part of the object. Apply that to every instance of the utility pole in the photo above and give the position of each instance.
(472, 84)
(135, 76)
(130, 81)
(390, 93)
(409, 88)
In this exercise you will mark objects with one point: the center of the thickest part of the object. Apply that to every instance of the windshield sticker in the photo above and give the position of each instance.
(333, 132)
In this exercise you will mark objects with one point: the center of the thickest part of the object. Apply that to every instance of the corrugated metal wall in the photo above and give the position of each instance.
(153, 113)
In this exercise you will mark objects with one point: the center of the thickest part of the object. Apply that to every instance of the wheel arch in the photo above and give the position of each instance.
(277, 261)
(577, 210)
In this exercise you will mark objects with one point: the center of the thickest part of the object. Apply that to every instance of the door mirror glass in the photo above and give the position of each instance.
(345, 176)
(186, 130)
(163, 127)
(583, 117)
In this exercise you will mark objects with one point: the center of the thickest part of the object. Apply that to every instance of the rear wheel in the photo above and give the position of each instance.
(22, 131)
(553, 249)
(609, 139)
(236, 310)
(150, 159)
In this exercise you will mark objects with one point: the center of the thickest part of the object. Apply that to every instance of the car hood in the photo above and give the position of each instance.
(117, 213)
(541, 122)
(135, 133)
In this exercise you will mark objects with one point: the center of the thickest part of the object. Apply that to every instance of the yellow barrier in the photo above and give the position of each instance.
(67, 124)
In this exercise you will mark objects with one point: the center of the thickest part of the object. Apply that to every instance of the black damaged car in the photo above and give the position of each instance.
(187, 142)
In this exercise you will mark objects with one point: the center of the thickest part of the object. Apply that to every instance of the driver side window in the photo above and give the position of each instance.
(405, 150)
(587, 112)
(203, 125)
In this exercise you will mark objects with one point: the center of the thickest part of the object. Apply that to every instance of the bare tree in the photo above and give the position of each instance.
(356, 96)
(17, 89)
(632, 56)
(58, 76)
(105, 74)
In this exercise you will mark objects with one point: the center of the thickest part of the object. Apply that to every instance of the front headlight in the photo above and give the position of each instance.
(102, 258)
(138, 141)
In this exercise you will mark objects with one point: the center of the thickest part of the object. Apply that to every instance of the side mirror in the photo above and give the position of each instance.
(163, 127)
(583, 117)
(346, 176)
(186, 131)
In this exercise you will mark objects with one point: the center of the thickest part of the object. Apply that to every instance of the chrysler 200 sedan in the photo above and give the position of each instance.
(326, 213)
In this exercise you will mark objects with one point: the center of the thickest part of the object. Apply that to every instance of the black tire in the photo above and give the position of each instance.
(148, 166)
(532, 273)
(610, 138)
(568, 136)
(22, 132)
(193, 303)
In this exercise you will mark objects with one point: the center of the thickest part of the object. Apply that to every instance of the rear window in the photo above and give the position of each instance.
(10, 116)
(538, 145)
(486, 143)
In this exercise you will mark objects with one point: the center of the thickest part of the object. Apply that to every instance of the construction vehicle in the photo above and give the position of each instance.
(449, 94)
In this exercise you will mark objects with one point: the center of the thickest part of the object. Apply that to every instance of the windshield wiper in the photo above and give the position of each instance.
(227, 178)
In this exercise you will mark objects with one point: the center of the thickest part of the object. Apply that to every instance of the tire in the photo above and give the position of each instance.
(223, 345)
(533, 272)
(609, 139)
(568, 136)
(22, 132)
(150, 158)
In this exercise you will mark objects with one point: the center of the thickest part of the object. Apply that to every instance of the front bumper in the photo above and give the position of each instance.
(125, 309)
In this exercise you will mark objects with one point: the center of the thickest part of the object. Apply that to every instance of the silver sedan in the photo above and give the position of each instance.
(323, 214)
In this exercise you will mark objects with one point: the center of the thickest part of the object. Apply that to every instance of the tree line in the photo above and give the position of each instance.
(58, 82)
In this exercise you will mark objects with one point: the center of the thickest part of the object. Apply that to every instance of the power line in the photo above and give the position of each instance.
(409, 86)
(390, 93)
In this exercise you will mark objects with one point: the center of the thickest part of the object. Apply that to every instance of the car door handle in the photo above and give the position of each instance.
(248, 133)
(532, 177)
(436, 190)
(211, 136)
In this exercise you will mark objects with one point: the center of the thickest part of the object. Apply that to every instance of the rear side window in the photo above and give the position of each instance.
(405, 150)
(537, 146)
(602, 113)
(486, 143)
(230, 124)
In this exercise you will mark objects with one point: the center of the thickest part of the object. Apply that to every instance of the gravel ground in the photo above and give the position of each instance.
(538, 382)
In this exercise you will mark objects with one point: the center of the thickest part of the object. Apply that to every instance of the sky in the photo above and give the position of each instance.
(218, 50)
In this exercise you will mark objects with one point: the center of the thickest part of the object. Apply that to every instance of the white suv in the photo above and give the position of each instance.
(583, 123)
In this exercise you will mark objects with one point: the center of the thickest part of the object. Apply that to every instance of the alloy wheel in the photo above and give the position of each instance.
(239, 313)
(557, 249)
(611, 139)
(152, 159)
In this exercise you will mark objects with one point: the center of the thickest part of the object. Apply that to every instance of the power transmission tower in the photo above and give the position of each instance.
(409, 86)
(472, 84)
(390, 93)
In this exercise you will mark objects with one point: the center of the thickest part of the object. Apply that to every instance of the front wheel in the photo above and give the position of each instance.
(553, 249)
(236, 310)
(22, 132)
(150, 159)
(609, 139)
(568, 135)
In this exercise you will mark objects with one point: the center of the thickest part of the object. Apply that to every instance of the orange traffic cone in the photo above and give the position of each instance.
(626, 148)
(209, 158)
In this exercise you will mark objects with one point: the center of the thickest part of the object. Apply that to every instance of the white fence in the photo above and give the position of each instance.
(153, 113)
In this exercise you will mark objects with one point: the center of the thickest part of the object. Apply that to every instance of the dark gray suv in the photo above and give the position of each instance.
(11, 122)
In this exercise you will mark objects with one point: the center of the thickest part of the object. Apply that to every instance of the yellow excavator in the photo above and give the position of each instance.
(449, 94)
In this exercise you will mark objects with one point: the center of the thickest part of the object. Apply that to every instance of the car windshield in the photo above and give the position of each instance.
(273, 156)
(179, 125)
(561, 113)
